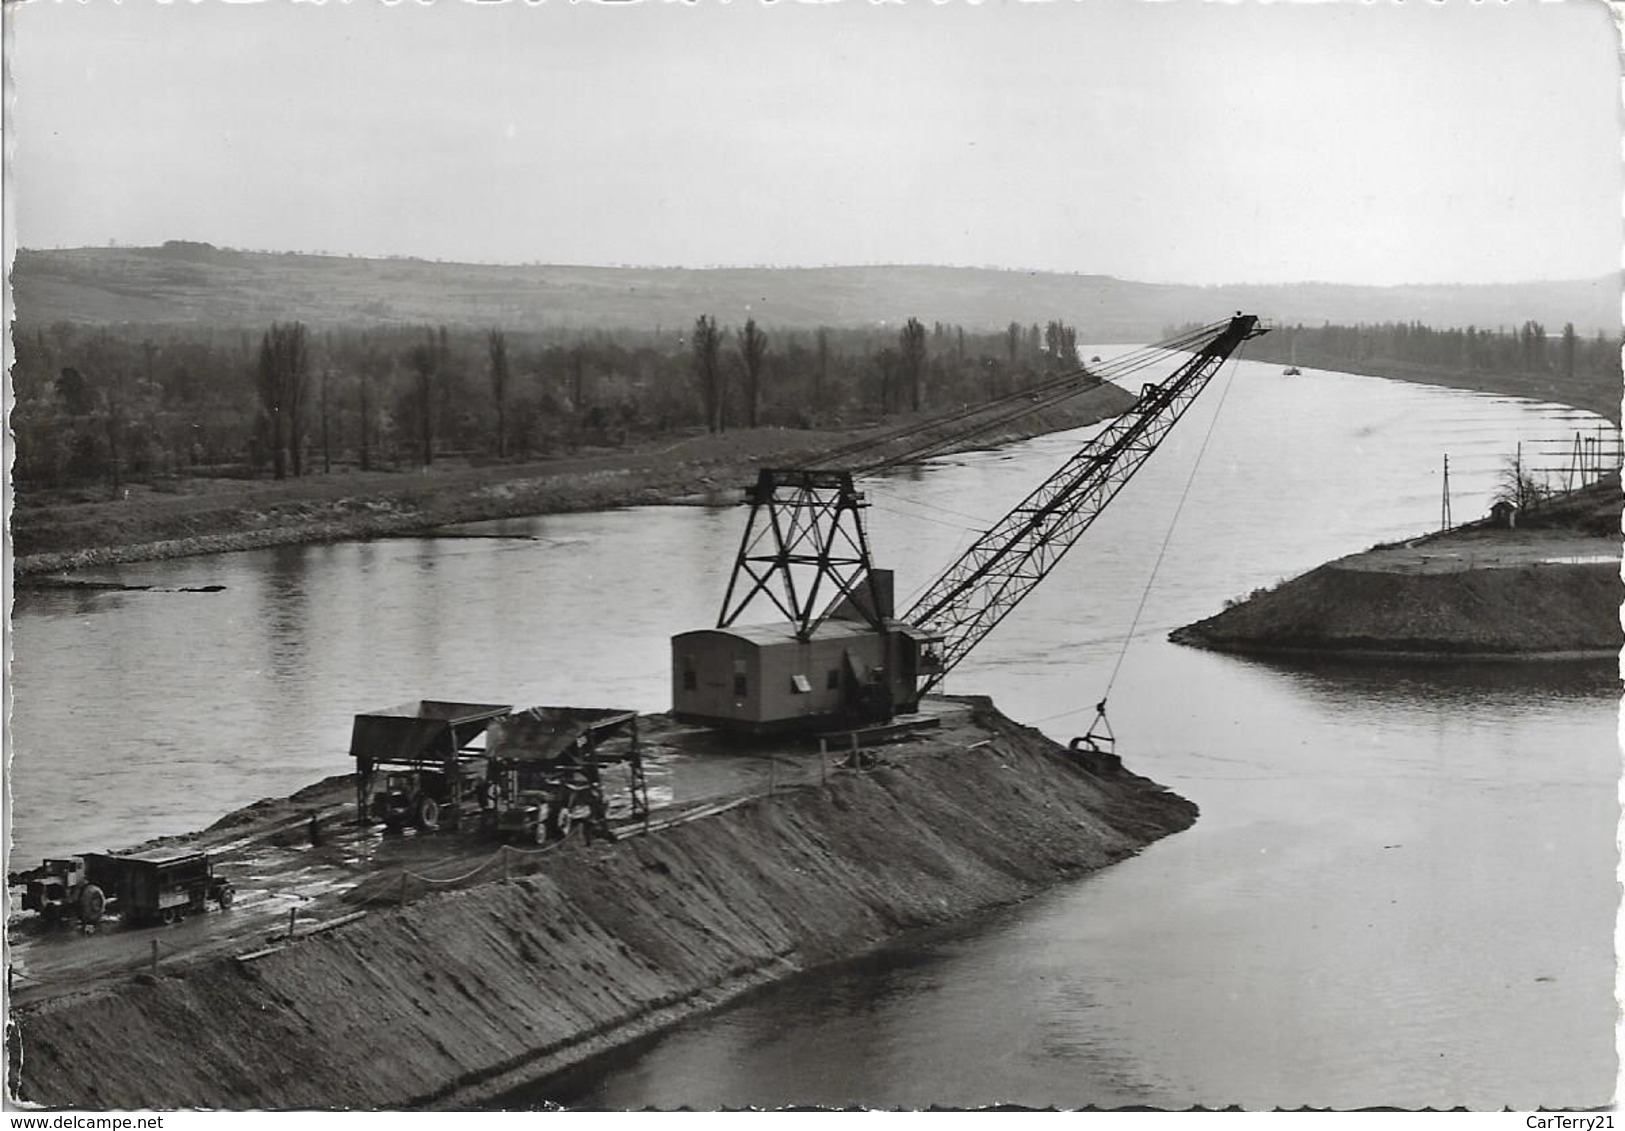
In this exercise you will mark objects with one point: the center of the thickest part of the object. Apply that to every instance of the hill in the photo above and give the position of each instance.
(183, 283)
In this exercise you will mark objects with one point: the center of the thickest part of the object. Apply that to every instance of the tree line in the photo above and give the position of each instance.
(106, 405)
(1512, 350)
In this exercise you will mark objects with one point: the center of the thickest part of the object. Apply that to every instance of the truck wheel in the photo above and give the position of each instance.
(559, 818)
(51, 915)
(428, 814)
(227, 894)
(92, 904)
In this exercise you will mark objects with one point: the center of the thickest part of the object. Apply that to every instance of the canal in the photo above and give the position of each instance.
(1401, 889)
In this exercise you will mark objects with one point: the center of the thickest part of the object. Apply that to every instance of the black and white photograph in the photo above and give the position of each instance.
(608, 556)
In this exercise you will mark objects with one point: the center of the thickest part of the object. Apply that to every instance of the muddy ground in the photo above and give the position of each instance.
(284, 880)
(464, 991)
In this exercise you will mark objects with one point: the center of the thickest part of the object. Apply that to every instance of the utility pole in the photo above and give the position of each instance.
(1444, 503)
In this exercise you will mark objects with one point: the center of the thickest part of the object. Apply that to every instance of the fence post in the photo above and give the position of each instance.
(292, 911)
(403, 889)
(154, 956)
(823, 761)
(506, 877)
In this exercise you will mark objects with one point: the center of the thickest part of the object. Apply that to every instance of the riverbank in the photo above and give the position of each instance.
(1549, 588)
(463, 995)
(1592, 393)
(196, 516)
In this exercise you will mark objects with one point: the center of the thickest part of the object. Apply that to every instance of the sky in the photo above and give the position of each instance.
(1178, 141)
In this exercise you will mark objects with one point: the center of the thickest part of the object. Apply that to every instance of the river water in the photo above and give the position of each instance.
(1401, 889)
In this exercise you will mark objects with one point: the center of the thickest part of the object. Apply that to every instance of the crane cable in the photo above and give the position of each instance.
(1128, 637)
(1024, 401)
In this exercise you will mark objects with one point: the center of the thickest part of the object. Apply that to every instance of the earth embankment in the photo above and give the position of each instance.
(464, 995)
(1481, 592)
(196, 516)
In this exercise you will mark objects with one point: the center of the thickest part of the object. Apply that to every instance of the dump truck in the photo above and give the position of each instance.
(413, 798)
(549, 813)
(429, 756)
(547, 765)
(156, 886)
(525, 818)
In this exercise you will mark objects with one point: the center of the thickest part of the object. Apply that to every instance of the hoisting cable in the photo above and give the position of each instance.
(1093, 735)
(1024, 402)
(1099, 735)
(1003, 409)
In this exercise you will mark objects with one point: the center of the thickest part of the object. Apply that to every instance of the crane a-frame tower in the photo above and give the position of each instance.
(840, 654)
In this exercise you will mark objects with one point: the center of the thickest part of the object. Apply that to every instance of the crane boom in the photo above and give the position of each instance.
(1007, 561)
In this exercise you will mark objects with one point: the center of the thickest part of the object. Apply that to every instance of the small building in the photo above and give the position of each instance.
(763, 678)
(1504, 514)
(857, 665)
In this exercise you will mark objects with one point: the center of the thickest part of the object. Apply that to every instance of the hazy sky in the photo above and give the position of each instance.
(1176, 141)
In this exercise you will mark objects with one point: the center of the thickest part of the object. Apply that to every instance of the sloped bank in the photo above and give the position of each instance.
(463, 996)
(1528, 610)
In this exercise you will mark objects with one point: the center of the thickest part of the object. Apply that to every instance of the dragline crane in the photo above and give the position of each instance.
(840, 655)
(1007, 561)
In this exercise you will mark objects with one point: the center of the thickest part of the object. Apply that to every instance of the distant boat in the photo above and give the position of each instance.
(1292, 371)
(1095, 358)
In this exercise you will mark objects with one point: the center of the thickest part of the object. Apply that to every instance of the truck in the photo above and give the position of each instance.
(549, 813)
(425, 761)
(157, 886)
(414, 797)
(547, 768)
(525, 818)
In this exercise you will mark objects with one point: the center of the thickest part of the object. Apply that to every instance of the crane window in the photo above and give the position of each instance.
(800, 685)
(832, 681)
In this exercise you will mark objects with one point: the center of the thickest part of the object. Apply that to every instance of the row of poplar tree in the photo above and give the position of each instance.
(1522, 349)
(106, 405)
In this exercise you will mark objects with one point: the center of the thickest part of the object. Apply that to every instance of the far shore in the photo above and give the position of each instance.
(187, 516)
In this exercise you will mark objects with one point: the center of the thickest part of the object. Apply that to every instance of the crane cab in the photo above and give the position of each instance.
(761, 679)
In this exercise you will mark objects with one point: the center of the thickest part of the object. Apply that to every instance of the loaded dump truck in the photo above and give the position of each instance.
(157, 886)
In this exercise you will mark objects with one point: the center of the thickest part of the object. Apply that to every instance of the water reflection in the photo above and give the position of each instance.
(1348, 683)
(284, 609)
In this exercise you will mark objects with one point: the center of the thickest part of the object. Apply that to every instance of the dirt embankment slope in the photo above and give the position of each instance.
(465, 995)
(1551, 588)
(200, 517)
